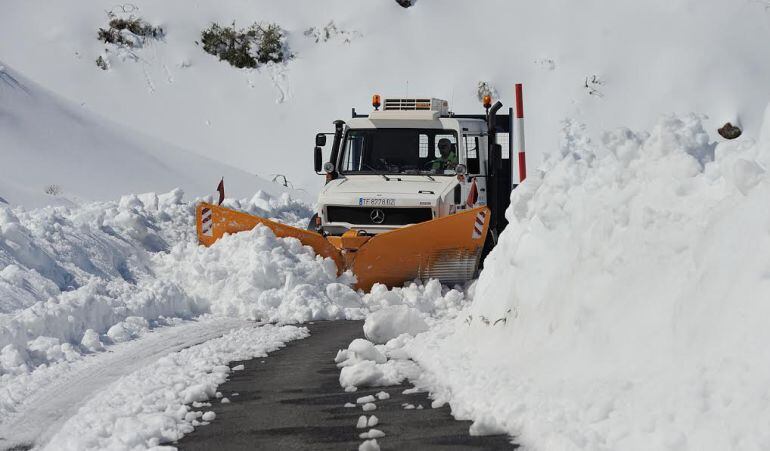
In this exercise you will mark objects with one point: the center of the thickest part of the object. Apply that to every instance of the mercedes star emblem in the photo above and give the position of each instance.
(377, 216)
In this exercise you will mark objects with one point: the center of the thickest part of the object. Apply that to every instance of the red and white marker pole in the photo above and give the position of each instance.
(519, 132)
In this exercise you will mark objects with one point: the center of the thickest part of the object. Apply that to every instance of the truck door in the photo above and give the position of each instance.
(476, 161)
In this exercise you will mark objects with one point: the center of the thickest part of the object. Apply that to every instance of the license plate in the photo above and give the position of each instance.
(376, 202)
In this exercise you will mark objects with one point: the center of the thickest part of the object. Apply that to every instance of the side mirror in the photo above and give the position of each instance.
(461, 169)
(328, 167)
(320, 140)
(317, 158)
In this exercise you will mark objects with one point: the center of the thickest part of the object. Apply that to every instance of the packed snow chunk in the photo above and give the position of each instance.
(349, 404)
(365, 350)
(365, 399)
(91, 341)
(361, 424)
(369, 445)
(430, 298)
(372, 433)
(198, 392)
(127, 330)
(368, 407)
(390, 322)
(370, 374)
(383, 395)
(12, 361)
(486, 425)
(240, 367)
(373, 421)
(209, 416)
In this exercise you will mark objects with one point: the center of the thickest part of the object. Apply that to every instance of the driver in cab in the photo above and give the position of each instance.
(448, 159)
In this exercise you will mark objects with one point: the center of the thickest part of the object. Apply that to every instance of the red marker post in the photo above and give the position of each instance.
(519, 132)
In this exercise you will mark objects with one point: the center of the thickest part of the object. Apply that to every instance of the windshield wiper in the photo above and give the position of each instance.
(377, 172)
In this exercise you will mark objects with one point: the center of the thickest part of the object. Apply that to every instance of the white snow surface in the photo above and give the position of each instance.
(625, 305)
(390, 322)
(79, 280)
(54, 152)
(606, 64)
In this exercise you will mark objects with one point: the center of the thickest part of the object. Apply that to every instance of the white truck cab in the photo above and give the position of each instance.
(411, 161)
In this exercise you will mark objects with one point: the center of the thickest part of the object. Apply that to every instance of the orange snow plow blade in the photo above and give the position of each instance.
(214, 221)
(447, 248)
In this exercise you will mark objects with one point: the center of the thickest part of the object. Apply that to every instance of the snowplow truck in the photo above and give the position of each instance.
(413, 191)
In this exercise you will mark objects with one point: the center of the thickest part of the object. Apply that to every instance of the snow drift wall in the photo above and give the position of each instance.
(626, 304)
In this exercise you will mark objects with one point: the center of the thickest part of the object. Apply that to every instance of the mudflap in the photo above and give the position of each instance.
(446, 248)
(214, 221)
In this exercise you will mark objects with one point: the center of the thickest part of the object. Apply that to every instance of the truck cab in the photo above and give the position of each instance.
(409, 162)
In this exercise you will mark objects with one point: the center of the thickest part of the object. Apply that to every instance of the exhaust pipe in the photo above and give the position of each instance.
(492, 117)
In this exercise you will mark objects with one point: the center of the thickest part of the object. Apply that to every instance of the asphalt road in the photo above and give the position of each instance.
(292, 400)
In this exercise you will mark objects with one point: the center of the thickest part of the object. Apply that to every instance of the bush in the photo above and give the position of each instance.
(246, 48)
(130, 32)
(53, 190)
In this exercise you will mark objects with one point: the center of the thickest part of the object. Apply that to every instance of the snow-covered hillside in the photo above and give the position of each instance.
(606, 64)
(54, 152)
(624, 306)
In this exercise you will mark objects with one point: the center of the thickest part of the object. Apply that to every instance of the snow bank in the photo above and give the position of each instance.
(152, 405)
(625, 305)
(76, 280)
(390, 322)
(258, 276)
(73, 279)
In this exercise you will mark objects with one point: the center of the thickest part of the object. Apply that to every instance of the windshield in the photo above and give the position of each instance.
(400, 151)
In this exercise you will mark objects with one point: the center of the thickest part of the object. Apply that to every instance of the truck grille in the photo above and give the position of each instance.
(393, 216)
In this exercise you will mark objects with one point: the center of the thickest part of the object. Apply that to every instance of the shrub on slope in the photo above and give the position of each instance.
(246, 48)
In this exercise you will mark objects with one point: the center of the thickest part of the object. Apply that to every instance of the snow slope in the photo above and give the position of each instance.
(49, 144)
(649, 57)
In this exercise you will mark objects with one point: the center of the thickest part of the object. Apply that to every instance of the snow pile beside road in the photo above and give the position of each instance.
(73, 280)
(76, 280)
(258, 276)
(151, 406)
(625, 306)
(430, 299)
(390, 322)
(395, 316)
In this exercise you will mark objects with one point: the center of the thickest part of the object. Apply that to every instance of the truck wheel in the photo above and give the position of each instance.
(311, 225)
